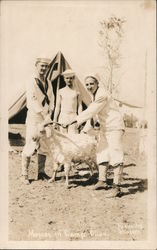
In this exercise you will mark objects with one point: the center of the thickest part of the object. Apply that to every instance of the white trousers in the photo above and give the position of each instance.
(110, 147)
(110, 150)
(32, 133)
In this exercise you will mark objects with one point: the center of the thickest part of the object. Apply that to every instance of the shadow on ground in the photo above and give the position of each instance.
(128, 185)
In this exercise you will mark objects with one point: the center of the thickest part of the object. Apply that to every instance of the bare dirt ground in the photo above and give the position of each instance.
(49, 211)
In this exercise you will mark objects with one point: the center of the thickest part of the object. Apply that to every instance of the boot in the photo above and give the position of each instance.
(102, 182)
(25, 165)
(101, 185)
(114, 192)
(24, 179)
(41, 168)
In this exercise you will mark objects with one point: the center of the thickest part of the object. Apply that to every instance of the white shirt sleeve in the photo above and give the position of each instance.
(51, 97)
(94, 108)
(87, 127)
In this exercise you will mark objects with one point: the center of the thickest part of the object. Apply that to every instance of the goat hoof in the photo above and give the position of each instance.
(67, 186)
(51, 180)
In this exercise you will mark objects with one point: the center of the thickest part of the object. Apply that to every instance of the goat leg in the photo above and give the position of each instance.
(90, 165)
(54, 173)
(67, 170)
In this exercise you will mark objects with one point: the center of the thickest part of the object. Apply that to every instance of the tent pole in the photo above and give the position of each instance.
(58, 80)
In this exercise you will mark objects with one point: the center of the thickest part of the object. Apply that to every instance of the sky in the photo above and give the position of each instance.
(32, 29)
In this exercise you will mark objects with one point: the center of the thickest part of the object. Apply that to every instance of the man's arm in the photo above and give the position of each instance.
(58, 108)
(93, 109)
(79, 104)
(51, 98)
(87, 127)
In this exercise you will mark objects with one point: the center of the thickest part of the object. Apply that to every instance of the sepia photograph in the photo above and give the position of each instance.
(78, 124)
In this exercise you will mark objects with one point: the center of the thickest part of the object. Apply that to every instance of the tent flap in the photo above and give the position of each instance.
(17, 106)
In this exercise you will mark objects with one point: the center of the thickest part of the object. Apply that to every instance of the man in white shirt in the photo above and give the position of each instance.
(109, 148)
(40, 104)
(68, 103)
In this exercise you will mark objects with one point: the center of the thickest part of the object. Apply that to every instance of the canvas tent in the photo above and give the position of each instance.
(18, 109)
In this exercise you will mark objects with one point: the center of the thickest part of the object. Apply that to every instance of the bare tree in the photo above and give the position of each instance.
(110, 37)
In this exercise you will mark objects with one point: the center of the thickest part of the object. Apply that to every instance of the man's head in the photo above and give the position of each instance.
(69, 76)
(42, 65)
(91, 83)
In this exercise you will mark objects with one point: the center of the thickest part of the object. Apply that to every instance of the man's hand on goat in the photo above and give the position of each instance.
(41, 128)
(65, 125)
(55, 125)
(47, 119)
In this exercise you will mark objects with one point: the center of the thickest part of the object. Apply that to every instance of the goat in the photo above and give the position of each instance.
(72, 149)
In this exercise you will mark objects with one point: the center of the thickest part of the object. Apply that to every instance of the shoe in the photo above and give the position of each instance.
(101, 185)
(114, 192)
(24, 179)
(43, 176)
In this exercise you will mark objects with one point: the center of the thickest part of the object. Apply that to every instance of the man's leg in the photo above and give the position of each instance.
(25, 165)
(102, 161)
(28, 151)
(118, 172)
(116, 155)
(42, 152)
(116, 191)
(41, 167)
(102, 179)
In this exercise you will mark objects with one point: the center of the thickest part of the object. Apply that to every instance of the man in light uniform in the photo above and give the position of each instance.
(40, 104)
(68, 103)
(109, 148)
